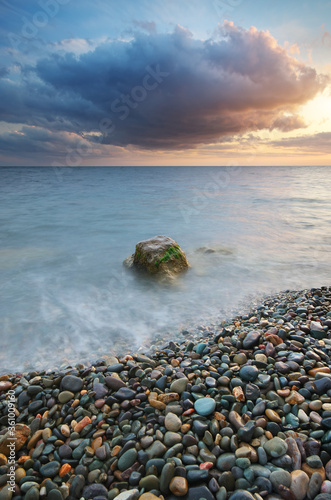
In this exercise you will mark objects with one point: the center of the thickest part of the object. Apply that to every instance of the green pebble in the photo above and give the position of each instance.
(65, 396)
(243, 462)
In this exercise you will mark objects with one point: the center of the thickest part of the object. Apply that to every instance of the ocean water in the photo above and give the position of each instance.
(64, 233)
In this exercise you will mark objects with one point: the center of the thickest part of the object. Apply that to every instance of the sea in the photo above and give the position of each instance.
(66, 297)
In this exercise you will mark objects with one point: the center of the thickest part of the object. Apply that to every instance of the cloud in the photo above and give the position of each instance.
(326, 39)
(165, 91)
(316, 143)
(286, 123)
(3, 72)
(35, 139)
(148, 26)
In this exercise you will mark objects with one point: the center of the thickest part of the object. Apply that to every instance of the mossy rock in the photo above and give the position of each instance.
(160, 255)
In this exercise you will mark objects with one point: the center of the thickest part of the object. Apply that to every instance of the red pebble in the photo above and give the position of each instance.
(189, 411)
(206, 465)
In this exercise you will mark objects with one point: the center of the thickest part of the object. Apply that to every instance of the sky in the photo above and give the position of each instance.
(165, 82)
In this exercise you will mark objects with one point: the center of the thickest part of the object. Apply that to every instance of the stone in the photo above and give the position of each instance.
(114, 383)
(148, 496)
(310, 470)
(150, 482)
(32, 494)
(314, 461)
(179, 385)
(124, 393)
(299, 484)
(178, 486)
(241, 495)
(325, 486)
(100, 390)
(27, 485)
(205, 406)
(236, 419)
(251, 339)
(196, 476)
(50, 469)
(71, 383)
(275, 447)
(226, 461)
(168, 471)
(54, 495)
(294, 453)
(322, 385)
(273, 416)
(65, 396)
(94, 490)
(168, 397)
(249, 373)
(77, 486)
(246, 432)
(328, 470)
(20, 437)
(240, 358)
(157, 449)
(314, 486)
(6, 493)
(252, 392)
(171, 438)
(159, 255)
(294, 398)
(65, 451)
(172, 422)
(127, 459)
(279, 477)
(198, 492)
(5, 385)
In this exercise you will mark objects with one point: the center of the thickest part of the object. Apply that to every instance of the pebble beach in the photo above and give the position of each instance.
(240, 411)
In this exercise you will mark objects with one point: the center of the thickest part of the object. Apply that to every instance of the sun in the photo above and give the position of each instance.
(317, 113)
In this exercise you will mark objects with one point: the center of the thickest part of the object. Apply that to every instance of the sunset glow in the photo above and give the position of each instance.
(182, 85)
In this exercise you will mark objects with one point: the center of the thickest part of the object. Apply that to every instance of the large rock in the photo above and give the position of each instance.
(160, 255)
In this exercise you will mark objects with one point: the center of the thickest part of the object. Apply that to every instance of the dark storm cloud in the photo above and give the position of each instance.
(166, 91)
(32, 139)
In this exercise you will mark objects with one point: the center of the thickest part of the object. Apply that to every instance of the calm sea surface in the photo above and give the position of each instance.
(64, 233)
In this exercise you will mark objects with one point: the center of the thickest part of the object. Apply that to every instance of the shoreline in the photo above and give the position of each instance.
(243, 412)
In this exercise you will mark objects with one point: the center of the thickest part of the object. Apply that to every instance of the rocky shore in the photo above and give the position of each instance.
(244, 412)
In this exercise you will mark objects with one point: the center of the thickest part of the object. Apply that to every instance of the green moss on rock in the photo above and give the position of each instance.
(159, 255)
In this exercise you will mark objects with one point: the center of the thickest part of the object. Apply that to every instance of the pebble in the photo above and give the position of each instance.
(127, 459)
(178, 486)
(315, 486)
(50, 469)
(71, 383)
(275, 447)
(249, 373)
(65, 396)
(279, 477)
(251, 339)
(172, 422)
(238, 411)
(148, 496)
(205, 406)
(179, 385)
(241, 495)
(6, 493)
(299, 484)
